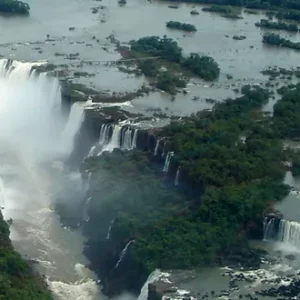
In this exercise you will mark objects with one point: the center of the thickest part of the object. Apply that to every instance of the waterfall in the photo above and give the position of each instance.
(133, 143)
(289, 233)
(114, 141)
(30, 112)
(176, 181)
(85, 211)
(156, 146)
(109, 229)
(155, 275)
(72, 126)
(167, 161)
(126, 139)
(123, 253)
(269, 229)
(123, 137)
(103, 140)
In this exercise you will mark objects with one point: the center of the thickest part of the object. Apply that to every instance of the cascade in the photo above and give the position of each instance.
(123, 137)
(133, 144)
(289, 233)
(126, 139)
(155, 275)
(123, 253)
(34, 135)
(156, 146)
(85, 211)
(114, 141)
(177, 177)
(109, 228)
(269, 229)
(167, 161)
(103, 139)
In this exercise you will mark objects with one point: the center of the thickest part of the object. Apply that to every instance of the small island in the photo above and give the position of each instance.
(14, 7)
(264, 23)
(277, 40)
(162, 61)
(181, 26)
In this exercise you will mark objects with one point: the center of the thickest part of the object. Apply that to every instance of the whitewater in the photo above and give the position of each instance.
(36, 138)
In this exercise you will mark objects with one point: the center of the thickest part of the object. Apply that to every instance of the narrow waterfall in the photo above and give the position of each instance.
(156, 146)
(289, 233)
(133, 143)
(176, 181)
(155, 275)
(269, 229)
(109, 229)
(123, 253)
(85, 210)
(167, 161)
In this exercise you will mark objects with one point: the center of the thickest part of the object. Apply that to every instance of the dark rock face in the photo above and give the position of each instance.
(292, 290)
(158, 289)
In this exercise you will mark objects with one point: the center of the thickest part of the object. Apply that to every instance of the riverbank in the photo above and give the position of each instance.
(19, 281)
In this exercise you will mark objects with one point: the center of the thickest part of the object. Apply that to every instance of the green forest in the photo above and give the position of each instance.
(18, 281)
(231, 167)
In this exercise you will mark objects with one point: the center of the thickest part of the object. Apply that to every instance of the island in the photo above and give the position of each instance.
(14, 7)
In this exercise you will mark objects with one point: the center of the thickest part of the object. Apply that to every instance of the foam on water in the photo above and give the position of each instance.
(35, 138)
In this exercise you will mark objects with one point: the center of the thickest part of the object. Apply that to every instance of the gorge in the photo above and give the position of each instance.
(110, 184)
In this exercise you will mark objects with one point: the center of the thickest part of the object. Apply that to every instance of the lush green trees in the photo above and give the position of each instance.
(277, 25)
(181, 26)
(286, 114)
(231, 169)
(203, 66)
(17, 280)
(277, 40)
(14, 6)
(168, 50)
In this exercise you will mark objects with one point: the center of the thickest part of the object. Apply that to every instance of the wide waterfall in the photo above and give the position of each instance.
(115, 136)
(289, 233)
(36, 139)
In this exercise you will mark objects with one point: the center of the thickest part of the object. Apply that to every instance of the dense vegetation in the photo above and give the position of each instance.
(17, 280)
(286, 114)
(181, 26)
(14, 7)
(225, 11)
(277, 25)
(220, 154)
(255, 4)
(277, 40)
(170, 53)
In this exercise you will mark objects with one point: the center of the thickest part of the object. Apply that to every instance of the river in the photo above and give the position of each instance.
(32, 170)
